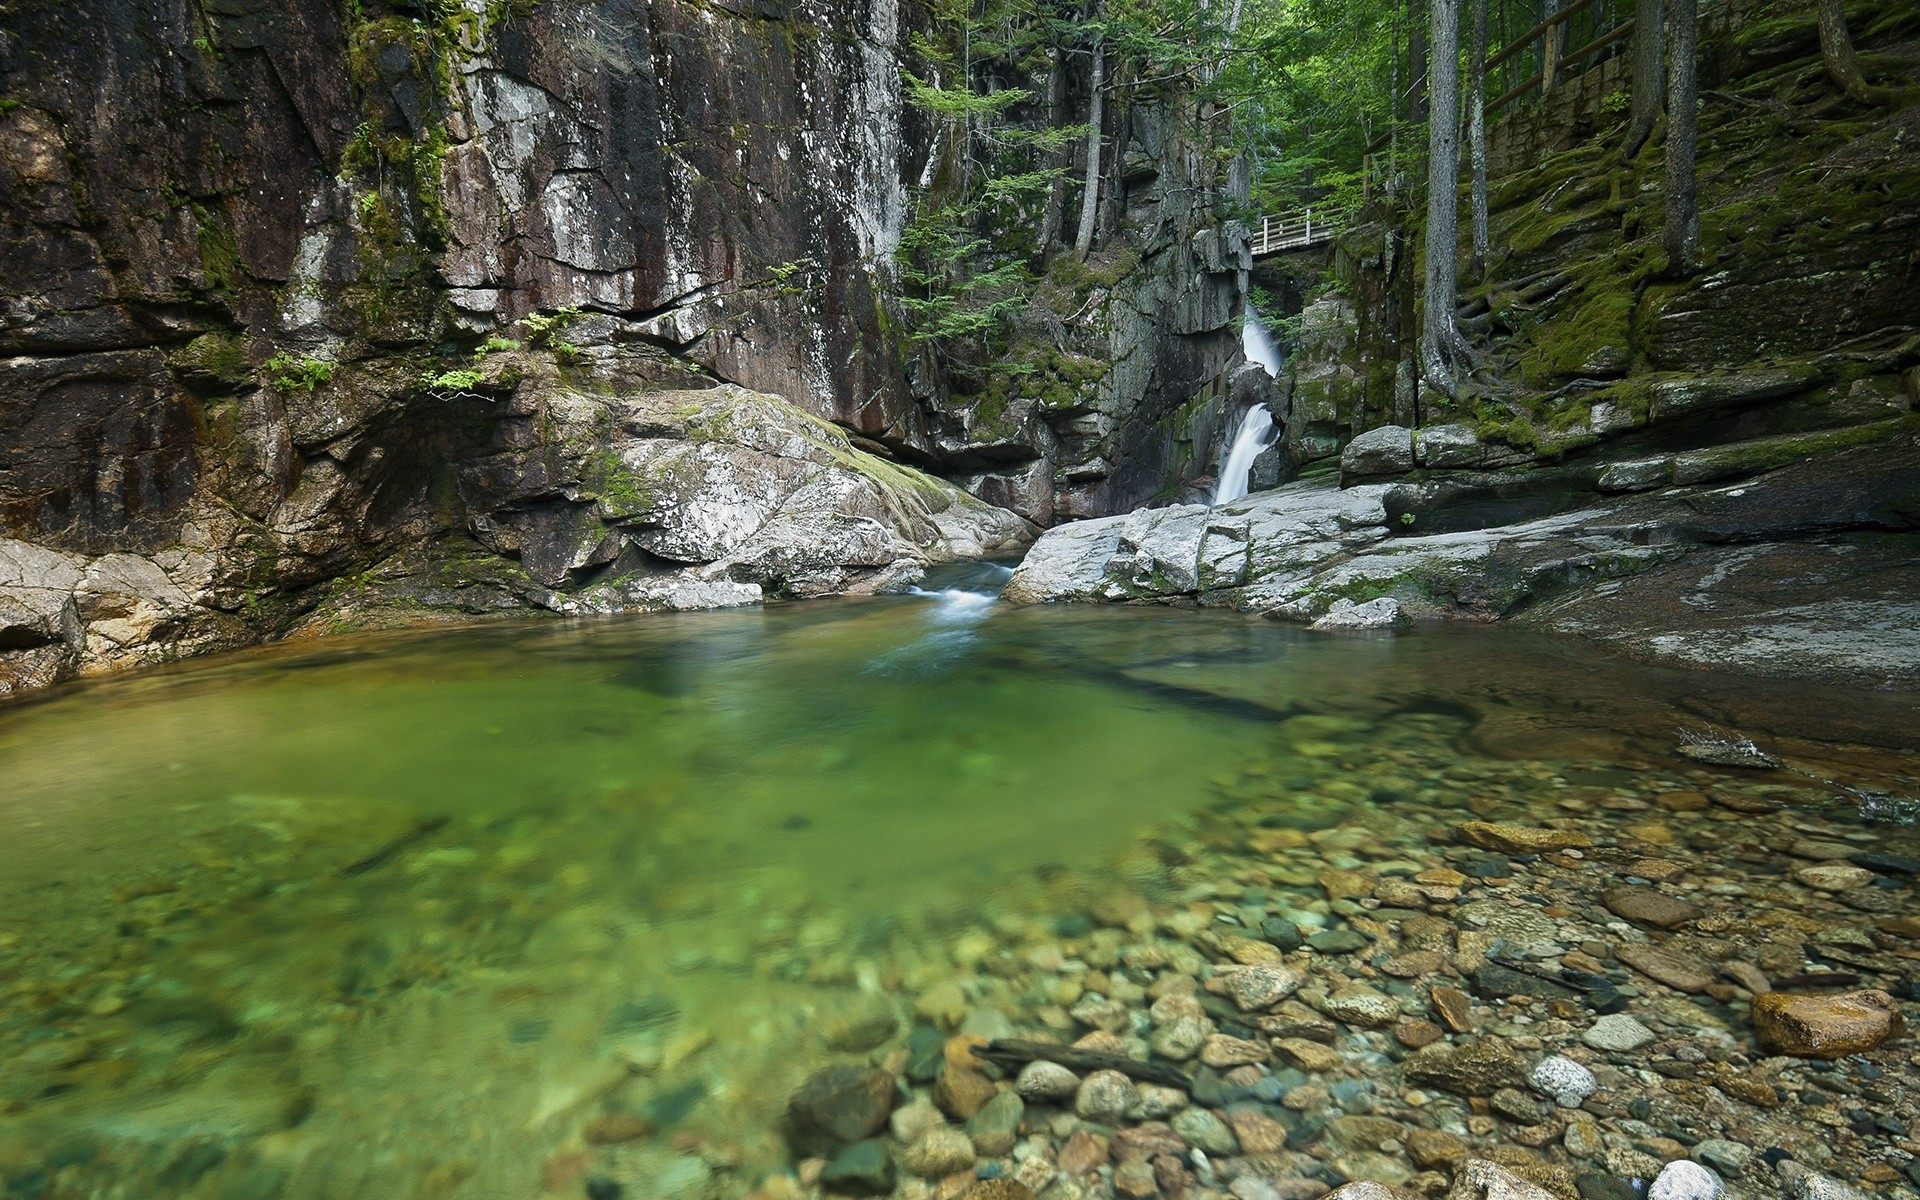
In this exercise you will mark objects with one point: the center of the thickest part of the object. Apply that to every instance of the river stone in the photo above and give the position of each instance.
(1361, 1006)
(1617, 1032)
(1515, 1105)
(1492, 980)
(1521, 926)
(1223, 1051)
(1684, 1180)
(1203, 1130)
(996, 1127)
(1337, 941)
(1478, 1179)
(1833, 877)
(939, 1153)
(1681, 974)
(1046, 1082)
(1181, 1038)
(1257, 1132)
(1364, 1189)
(1105, 1097)
(1473, 1067)
(1387, 450)
(1887, 864)
(1831, 1026)
(1645, 906)
(1804, 1183)
(1567, 1082)
(838, 1106)
(1723, 1156)
(1308, 1055)
(1519, 839)
(1259, 988)
(862, 1169)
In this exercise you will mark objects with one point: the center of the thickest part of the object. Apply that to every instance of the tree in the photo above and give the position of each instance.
(1648, 78)
(1477, 132)
(1090, 195)
(1836, 50)
(1444, 354)
(1683, 101)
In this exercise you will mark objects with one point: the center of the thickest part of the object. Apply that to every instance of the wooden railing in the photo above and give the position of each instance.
(1275, 234)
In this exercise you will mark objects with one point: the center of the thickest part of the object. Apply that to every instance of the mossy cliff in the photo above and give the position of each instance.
(267, 265)
(1800, 318)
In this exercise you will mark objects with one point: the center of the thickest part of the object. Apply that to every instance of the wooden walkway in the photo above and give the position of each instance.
(1278, 234)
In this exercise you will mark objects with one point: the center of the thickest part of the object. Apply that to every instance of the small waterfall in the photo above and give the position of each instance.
(1248, 441)
(1258, 344)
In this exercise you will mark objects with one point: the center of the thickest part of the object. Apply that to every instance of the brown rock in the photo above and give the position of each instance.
(1682, 801)
(1453, 1008)
(1221, 1050)
(962, 1092)
(1415, 1034)
(1520, 839)
(1174, 1178)
(1308, 1056)
(1654, 833)
(616, 1127)
(1473, 1067)
(1904, 927)
(1745, 804)
(1135, 1180)
(1742, 1086)
(1681, 974)
(1248, 952)
(1441, 877)
(1434, 1149)
(1415, 964)
(1831, 1026)
(1145, 1141)
(1082, 1154)
(1644, 906)
(1346, 885)
(996, 1189)
(838, 1106)
(1258, 1133)
(1659, 870)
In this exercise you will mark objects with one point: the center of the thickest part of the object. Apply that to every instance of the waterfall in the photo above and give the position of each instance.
(1258, 343)
(1248, 441)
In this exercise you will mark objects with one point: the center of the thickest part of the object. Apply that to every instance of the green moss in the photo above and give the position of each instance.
(620, 489)
(291, 374)
(216, 358)
(1767, 454)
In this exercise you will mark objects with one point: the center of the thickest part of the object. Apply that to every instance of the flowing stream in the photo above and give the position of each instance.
(401, 914)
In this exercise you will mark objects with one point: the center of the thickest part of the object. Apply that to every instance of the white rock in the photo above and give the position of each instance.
(1382, 613)
(1046, 1082)
(1566, 1081)
(1684, 1180)
(1805, 1183)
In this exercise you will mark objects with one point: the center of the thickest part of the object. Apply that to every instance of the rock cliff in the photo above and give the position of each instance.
(293, 291)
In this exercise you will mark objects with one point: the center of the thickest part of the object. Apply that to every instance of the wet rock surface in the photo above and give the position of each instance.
(1800, 571)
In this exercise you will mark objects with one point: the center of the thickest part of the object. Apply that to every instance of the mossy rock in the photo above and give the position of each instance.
(213, 362)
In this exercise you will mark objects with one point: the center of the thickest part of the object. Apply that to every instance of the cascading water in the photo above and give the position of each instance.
(1248, 442)
(1259, 345)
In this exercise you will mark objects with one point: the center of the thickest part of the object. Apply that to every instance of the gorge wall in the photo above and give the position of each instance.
(312, 308)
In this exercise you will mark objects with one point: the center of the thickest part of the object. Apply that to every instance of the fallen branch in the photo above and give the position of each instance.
(1013, 1052)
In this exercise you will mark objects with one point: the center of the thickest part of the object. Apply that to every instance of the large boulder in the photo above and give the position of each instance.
(1387, 450)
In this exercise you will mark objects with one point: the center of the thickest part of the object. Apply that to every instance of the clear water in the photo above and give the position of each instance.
(398, 914)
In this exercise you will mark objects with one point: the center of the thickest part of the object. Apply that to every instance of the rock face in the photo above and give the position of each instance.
(1605, 569)
(265, 353)
(1825, 1026)
(591, 490)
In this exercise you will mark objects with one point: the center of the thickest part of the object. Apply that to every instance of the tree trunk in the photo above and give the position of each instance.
(1649, 83)
(1682, 200)
(1442, 349)
(1416, 64)
(1553, 43)
(1836, 50)
(1477, 133)
(1090, 195)
(1062, 157)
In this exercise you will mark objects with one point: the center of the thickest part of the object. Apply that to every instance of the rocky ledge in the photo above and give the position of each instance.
(1801, 570)
(583, 488)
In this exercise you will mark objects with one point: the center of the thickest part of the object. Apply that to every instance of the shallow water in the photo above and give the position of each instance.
(397, 914)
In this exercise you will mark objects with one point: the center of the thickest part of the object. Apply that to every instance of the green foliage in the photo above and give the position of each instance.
(291, 374)
(544, 332)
